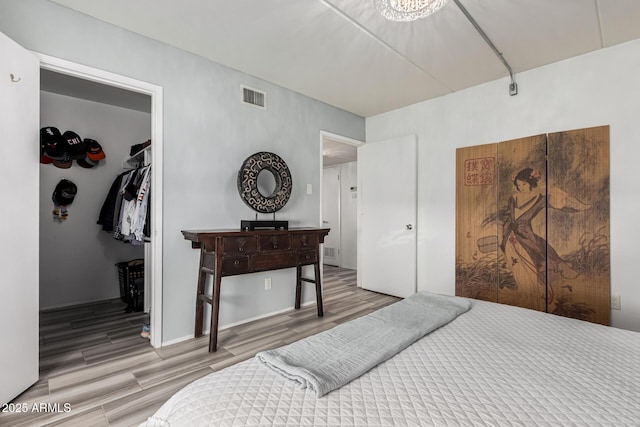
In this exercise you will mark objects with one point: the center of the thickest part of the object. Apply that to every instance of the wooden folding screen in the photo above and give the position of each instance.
(532, 223)
(476, 242)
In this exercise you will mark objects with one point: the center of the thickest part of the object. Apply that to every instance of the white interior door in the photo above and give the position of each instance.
(331, 214)
(19, 224)
(387, 173)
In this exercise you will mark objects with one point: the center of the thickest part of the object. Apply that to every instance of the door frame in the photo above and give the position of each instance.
(344, 140)
(84, 72)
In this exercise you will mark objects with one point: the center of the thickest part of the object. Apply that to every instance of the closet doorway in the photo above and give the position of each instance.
(127, 112)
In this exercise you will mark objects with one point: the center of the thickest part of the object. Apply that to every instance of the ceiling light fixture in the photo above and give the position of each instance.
(408, 10)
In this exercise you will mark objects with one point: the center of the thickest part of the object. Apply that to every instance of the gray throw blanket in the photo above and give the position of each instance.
(333, 358)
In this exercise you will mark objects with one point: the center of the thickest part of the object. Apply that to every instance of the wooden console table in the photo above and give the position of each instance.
(233, 252)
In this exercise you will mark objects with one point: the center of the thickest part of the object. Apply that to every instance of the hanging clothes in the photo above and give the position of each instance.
(140, 213)
(125, 211)
(107, 212)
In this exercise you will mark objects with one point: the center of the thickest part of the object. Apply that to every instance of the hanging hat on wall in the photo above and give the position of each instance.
(63, 164)
(51, 144)
(63, 195)
(62, 149)
(86, 163)
(93, 154)
(94, 150)
(45, 160)
(75, 147)
(64, 192)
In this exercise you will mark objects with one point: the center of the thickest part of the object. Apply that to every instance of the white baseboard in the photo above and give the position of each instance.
(176, 340)
(231, 325)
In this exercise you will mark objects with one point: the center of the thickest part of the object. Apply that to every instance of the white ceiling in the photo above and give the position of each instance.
(336, 152)
(344, 53)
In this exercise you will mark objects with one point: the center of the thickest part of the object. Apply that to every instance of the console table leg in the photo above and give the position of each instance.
(318, 289)
(215, 309)
(298, 286)
(202, 280)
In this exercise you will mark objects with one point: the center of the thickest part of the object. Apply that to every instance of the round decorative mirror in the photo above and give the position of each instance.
(264, 182)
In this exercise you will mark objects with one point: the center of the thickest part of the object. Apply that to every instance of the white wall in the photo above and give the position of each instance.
(77, 258)
(207, 135)
(599, 88)
(349, 212)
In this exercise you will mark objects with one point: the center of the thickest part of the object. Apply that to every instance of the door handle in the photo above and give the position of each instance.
(409, 227)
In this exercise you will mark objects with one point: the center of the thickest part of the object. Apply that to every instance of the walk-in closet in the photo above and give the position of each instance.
(82, 259)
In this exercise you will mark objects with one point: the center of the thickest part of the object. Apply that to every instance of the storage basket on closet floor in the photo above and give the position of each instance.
(131, 275)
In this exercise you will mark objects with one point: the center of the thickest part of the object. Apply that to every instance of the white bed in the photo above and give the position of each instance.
(494, 365)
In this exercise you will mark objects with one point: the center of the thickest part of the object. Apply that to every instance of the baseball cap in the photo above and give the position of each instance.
(94, 150)
(64, 163)
(51, 142)
(86, 163)
(64, 192)
(75, 146)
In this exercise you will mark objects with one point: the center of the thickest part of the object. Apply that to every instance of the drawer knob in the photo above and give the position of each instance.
(241, 249)
(236, 262)
(307, 257)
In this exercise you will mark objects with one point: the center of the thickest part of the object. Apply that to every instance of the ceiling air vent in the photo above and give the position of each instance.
(254, 97)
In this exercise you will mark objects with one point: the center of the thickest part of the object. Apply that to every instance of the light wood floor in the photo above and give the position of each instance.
(93, 358)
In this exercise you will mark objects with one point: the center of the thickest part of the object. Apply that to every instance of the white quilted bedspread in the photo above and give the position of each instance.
(496, 365)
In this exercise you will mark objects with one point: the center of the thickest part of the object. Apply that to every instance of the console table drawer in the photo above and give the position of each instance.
(306, 257)
(275, 242)
(272, 261)
(304, 241)
(235, 265)
(239, 245)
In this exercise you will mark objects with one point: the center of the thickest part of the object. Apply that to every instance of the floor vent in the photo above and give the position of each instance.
(330, 252)
(254, 97)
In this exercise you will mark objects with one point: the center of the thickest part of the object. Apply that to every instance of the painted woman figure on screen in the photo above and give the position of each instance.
(527, 254)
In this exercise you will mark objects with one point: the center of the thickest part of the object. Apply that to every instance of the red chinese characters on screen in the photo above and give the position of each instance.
(480, 171)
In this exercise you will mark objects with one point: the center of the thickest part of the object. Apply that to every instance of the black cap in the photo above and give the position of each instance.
(64, 193)
(51, 142)
(75, 146)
